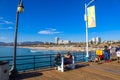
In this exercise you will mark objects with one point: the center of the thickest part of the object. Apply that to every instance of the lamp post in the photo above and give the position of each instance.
(13, 71)
(86, 20)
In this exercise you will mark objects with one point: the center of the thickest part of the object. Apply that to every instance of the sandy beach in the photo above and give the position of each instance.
(78, 49)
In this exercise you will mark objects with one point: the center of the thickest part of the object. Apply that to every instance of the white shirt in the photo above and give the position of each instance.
(110, 47)
(118, 53)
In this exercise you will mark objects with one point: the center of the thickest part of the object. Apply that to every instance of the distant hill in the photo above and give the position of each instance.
(2, 43)
(30, 43)
(22, 43)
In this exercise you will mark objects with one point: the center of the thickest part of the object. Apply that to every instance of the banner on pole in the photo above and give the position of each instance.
(91, 17)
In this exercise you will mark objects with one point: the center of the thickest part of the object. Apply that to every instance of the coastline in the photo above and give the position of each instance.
(60, 48)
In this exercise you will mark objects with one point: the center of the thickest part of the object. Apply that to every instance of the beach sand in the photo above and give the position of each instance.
(78, 49)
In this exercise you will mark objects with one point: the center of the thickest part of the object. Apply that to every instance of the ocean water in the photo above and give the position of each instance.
(28, 59)
(8, 51)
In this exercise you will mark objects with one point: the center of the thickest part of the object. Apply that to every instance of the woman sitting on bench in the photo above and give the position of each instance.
(68, 58)
(67, 62)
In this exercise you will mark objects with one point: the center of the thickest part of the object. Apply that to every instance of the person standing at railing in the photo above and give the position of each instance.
(99, 55)
(110, 51)
(117, 48)
(106, 54)
(118, 55)
(57, 61)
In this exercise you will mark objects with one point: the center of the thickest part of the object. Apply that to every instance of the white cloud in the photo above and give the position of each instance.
(3, 21)
(8, 28)
(52, 29)
(49, 31)
(2, 38)
(7, 22)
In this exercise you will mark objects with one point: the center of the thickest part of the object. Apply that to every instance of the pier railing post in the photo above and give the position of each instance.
(34, 61)
(50, 60)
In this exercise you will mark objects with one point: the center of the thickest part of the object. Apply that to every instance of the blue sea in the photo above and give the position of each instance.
(8, 51)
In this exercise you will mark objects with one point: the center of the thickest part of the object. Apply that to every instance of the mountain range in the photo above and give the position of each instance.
(21, 43)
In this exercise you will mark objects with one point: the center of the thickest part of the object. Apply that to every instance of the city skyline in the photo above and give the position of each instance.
(43, 20)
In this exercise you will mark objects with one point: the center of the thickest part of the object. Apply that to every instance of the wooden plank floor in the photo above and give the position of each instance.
(84, 71)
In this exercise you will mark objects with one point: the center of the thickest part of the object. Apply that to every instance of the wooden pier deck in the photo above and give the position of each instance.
(83, 71)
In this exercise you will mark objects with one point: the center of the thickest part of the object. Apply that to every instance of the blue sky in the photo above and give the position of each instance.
(43, 20)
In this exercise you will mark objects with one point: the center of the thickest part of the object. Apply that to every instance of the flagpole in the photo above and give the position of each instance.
(86, 21)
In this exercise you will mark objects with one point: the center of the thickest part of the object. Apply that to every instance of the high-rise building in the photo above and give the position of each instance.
(93, 40)
(98, 40)
(57, 40)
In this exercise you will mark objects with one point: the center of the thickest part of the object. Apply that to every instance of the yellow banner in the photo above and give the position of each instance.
(91, 17)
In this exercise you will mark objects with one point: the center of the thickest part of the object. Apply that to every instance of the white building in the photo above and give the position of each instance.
(64, 42)
(96, 40)
(93, 40)
(58, 41)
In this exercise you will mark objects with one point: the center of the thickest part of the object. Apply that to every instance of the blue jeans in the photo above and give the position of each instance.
(106, 56)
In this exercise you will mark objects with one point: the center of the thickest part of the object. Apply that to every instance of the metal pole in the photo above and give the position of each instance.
(86, 20)
(13, 71)
(15, 38)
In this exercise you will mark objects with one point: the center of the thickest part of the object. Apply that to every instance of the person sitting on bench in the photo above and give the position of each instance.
(57, 61)
(68, 59)
(67, 62)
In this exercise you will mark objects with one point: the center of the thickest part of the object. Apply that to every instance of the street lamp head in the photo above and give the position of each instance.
(20, 7)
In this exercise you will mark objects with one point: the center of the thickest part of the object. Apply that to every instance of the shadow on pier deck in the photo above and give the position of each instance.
(85, 71)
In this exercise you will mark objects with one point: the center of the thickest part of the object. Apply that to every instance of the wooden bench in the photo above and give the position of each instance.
(62, 66)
